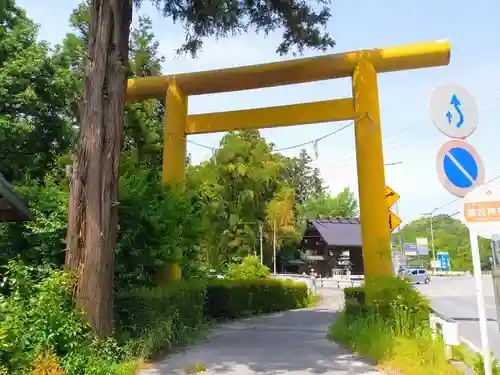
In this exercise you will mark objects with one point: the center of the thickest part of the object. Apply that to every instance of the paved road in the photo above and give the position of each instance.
(456, 298)
(292, 342)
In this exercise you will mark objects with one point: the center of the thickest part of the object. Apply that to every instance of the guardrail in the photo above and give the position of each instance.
(448, 273)
(448, 329)
(339, 281)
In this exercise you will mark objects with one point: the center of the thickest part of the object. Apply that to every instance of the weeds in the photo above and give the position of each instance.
(390, 330)
(474, 360)
(42, 333)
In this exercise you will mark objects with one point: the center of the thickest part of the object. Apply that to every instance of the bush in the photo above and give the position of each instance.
(36, 313)
(387, 320)
(160, 317)
(372, 336)
(249, 269)
(229, 299)
(159, 226)
(39, 241)
(47, 364)
(395, 300)
(41, 332)
(40, 329)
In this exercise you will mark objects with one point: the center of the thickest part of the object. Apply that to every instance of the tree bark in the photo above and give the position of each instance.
(93, 206)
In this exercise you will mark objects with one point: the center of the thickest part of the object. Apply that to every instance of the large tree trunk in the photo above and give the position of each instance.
(93, 206)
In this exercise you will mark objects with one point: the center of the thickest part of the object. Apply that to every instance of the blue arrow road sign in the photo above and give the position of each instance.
(459, 167)
(456, 104)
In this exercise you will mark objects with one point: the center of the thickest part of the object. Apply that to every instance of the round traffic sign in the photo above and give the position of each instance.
(459, 167)
(481, 211)
(453, 111)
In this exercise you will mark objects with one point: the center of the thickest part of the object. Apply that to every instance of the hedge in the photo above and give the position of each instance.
(229, 299)
(164, 316)
(160, 317)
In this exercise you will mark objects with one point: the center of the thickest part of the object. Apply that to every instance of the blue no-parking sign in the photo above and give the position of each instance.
(459, 167)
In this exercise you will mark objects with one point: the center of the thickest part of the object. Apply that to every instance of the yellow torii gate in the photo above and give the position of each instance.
(363, 108)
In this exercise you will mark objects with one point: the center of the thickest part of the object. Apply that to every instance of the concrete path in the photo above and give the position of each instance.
(292, 342)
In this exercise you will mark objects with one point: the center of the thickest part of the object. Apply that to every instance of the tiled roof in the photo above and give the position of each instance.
(339, 232)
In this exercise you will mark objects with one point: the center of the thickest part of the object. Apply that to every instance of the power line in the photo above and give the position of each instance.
(201, 145)
(349, 155)
(457, 199)
(313, 141)
(318, 139)
(346, 156)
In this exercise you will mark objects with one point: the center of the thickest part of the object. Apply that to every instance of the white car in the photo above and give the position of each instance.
(417, 275)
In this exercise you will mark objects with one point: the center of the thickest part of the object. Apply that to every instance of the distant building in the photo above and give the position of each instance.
(12, 206)
(332, 246)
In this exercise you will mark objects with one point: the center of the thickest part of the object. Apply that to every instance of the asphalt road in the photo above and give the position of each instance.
(456, 298)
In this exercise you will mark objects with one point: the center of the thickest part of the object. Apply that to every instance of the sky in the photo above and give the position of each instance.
(409, 136)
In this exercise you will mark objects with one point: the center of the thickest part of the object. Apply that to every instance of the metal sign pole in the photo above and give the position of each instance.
(483, 325)
(495, 273)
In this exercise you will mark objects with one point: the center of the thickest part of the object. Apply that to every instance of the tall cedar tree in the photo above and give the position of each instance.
(93, 206)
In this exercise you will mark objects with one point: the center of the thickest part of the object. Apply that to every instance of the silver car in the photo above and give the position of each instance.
(417, 275)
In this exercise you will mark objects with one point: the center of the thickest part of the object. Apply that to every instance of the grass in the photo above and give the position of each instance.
(392, 346)
(473, 360)
(314, 300)
(195, 369)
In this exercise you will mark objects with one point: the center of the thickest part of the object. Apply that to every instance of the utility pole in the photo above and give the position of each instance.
(431, 216)
(261, 245)
(432, 238)
(274, 246)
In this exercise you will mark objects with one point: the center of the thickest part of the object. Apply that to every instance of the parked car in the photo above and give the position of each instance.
(417, 275)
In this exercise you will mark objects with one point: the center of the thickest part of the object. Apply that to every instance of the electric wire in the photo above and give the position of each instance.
(352, 154)
(313, 141)
(457, 199)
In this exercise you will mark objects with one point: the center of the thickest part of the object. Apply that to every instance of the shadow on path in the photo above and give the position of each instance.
(292, 342)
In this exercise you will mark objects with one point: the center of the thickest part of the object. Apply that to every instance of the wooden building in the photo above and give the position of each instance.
(12, 206)
(332, 246)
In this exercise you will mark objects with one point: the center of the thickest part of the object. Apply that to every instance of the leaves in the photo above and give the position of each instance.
(35, 94)
(324, 206)
(302, 24)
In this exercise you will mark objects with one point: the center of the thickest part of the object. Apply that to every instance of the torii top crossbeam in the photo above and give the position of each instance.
(339, 65)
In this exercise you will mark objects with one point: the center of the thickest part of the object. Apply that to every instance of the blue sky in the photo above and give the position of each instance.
(409, 135)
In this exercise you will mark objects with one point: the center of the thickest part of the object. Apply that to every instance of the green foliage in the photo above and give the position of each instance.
(302, 177)
(229, 299)
(35, 94)
(211, 221)
(250, 268)
(387, 320)
(450, 235)
(40, 327)
(39, 241)
(159, 225)
(478, 365)
(390, 298)
(299, 21)
(325, 206)
(247, 174)
(160, 317)
(37, 316)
